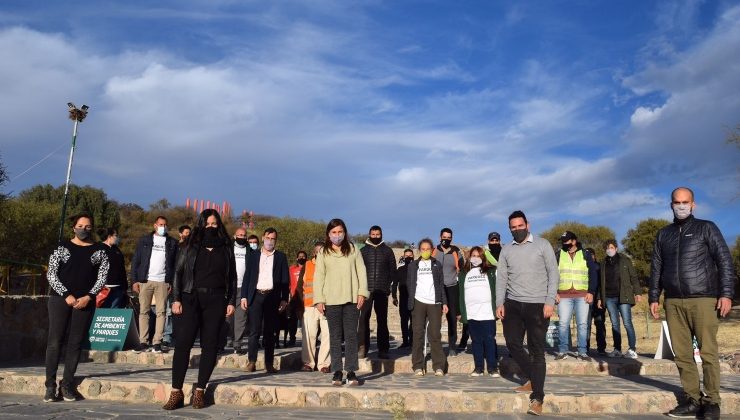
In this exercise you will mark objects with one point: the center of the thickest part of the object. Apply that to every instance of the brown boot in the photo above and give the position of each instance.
(527, 387)
(251, 367)
(535, 407)
(177, 400)
(199, 398)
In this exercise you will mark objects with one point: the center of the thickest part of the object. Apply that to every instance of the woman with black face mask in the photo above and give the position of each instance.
(77, 271)
(203, 292)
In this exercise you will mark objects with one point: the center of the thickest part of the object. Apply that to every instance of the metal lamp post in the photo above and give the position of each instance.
(76, 115)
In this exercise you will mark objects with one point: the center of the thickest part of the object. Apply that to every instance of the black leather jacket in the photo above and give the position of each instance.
(691, 259)
(380, 264)
(186, 265)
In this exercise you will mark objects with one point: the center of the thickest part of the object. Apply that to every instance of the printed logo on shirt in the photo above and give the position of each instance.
(476, 278)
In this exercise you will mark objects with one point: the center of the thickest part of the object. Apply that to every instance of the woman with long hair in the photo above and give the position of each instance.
(340, 289)
(477, 282)
(116, 283)
(204, 295)
(77, 271)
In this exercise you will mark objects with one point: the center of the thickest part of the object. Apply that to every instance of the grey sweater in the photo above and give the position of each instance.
(527, 272)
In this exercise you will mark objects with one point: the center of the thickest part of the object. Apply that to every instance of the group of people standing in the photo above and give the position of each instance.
(213, 278)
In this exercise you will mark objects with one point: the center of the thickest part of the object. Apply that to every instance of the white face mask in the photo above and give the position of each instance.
(476, 261)
(681, 211)
(161, 230)
(253, 245)
(611, 252)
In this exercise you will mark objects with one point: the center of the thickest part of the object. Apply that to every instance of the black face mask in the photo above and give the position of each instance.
(495, 249)
(520, 235)
(376, 241)
(408, 260)
(445, 243)
(241, 241)
(301, 261)
(82, 234)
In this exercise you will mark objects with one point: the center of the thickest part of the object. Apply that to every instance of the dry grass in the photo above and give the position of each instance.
(647, 330)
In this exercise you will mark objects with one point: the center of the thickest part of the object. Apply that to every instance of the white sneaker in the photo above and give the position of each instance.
(476, 373)
(630, 354)
(615, 353)
(439, 372)
(419, 372)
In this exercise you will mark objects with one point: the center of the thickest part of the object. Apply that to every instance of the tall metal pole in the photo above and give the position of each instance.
(69, 175)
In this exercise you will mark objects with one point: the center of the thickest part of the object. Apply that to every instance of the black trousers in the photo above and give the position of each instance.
(342, 320)
(599, 321)
(263, 318)
(69, 325)
(203, 311)
(379, 300)
(527, 318)
(405, 313)
(453, 301)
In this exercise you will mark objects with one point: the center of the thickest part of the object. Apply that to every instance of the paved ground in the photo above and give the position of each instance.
(29, 407)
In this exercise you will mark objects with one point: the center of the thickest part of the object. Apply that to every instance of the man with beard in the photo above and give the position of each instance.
(380, 264)
(526, 284)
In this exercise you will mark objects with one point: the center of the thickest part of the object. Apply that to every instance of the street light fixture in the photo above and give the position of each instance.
(76, 115)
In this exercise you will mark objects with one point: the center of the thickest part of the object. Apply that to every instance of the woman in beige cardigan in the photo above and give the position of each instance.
(340, 289)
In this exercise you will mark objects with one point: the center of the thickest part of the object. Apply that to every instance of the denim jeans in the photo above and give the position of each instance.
(484, 344)
(624, 310)
(566, 307)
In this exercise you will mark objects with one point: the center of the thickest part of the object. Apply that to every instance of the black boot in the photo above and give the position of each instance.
(686, 410)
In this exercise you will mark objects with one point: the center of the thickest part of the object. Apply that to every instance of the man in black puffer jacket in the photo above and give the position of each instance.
(380, 264)
(692, 264)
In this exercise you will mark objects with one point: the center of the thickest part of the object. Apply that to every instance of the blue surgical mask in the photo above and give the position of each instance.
(161, 230)
(253, 245)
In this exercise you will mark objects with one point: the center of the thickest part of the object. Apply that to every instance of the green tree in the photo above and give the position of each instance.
(293, 234)
(588, 236)
(639, 244)
(30, 220)
(81, 199)
(28, 231)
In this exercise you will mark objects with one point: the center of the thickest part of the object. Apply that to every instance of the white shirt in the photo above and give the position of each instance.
(478, 305)
(264, 281)
(240, 254)
(425, 283)
(157, 261)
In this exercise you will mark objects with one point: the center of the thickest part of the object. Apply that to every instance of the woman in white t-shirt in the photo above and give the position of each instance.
(427, 303)
(477, 282)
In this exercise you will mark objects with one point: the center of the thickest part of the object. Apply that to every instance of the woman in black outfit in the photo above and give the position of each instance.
(202, 293)
(77, 271)
(116, 283)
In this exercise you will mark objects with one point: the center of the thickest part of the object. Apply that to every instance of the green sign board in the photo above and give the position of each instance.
(112, 330)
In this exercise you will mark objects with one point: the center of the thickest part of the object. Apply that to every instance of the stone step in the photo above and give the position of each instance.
(399, 361)
(285, 359)
(398, 394)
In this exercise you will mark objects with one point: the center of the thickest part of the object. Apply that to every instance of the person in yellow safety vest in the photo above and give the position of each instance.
(576, 290)
(491, 253)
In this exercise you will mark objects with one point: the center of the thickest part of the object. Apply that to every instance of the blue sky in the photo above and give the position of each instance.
(414, 115)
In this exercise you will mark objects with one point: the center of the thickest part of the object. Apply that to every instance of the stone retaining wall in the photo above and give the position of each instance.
(24, 324)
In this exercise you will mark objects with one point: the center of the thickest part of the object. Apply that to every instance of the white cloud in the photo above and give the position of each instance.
(644, 116)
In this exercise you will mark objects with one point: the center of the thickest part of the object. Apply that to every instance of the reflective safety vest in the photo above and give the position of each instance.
(491, 259)
(573, 273)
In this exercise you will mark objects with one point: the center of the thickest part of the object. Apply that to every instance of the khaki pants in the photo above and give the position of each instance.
(158, 290)
(695, 317)
(312, 320)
